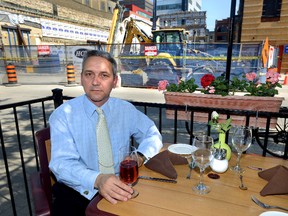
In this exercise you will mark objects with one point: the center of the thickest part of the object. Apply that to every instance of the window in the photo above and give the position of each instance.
(55, 10)
(271, 10)
(102, 6)
(183, 22)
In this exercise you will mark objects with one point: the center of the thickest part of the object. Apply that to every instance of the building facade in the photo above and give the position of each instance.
(267, 18)
(54, 22)
(137, 12)
(174, 6)
(144, 4)
(192, 21)
(222, 30)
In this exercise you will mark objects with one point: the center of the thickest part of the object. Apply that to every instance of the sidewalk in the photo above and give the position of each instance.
(28, 92)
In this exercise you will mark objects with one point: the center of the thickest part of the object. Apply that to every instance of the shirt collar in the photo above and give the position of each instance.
(90, 108)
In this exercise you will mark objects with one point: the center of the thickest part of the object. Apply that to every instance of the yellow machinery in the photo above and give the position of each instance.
(132, 38)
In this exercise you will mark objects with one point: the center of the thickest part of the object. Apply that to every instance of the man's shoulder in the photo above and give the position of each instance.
(120, 102)
(71, 104)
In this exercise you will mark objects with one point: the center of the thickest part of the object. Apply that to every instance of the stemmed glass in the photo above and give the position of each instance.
(202, 157)
(241, 140)
(129, 167)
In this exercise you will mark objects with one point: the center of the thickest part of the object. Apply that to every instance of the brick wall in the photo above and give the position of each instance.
(77, 13)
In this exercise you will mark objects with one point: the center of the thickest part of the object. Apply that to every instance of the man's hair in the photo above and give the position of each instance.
(103, 54)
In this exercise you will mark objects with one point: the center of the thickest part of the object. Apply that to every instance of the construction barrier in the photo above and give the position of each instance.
(71, 79)
(11, 74)
(286, 79)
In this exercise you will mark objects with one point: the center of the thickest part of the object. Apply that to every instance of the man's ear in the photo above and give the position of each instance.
(115, 81)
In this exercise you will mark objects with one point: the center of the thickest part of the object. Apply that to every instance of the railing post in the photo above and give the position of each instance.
(57, 97)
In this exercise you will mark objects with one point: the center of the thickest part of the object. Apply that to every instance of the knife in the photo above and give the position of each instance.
(255, 168)
(157, 179)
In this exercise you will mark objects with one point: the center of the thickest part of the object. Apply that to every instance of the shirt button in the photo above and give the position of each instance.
(86, 192)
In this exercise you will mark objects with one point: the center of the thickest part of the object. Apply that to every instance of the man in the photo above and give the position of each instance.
(74, 154)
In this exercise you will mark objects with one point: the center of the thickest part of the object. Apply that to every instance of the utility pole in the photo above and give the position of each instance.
(230, 39)
(154, 14)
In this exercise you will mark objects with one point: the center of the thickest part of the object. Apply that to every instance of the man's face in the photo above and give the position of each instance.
(97, 79)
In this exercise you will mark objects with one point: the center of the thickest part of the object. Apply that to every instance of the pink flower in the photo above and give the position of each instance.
(211, 90)
(251, 76)
(272, 77)
(162, 85)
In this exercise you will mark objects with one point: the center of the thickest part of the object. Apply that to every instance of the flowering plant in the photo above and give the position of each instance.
(212, 85)
(183, 86)
(250, 83)
(220, 127)
(268, 89)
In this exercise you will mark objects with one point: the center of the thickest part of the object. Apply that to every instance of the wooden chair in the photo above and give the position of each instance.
(42, 181)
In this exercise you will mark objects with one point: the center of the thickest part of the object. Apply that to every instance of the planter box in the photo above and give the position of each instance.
(254, 103)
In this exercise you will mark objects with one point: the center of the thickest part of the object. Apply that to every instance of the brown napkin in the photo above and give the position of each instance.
(277, 178)
(163, 163)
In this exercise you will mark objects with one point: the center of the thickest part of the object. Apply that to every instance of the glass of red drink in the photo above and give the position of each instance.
(128, 166)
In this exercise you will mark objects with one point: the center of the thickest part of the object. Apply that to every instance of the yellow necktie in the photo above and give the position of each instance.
(105, 156)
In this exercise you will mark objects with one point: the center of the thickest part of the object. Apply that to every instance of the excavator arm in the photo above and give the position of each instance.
(116, 20)
(134, 31)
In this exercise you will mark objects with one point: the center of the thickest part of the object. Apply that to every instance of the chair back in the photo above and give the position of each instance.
(44, 152)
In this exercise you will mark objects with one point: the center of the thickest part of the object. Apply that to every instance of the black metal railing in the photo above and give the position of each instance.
(20, 121)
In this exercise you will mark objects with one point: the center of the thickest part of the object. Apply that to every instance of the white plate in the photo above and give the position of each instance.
(273, 213)
(182, 149)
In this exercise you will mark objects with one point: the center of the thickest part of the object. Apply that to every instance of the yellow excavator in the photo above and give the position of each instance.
(166, 60)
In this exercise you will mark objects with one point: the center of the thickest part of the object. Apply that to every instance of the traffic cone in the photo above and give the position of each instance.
(286, 79)
(71, 79)
(11, 75)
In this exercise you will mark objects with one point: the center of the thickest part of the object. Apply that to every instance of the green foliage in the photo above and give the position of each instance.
(237, 85)
(222, 127)
(183, 86)
(264, 90)
(249, 83)
(219, 86)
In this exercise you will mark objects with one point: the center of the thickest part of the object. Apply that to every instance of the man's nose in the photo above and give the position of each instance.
(96, 80)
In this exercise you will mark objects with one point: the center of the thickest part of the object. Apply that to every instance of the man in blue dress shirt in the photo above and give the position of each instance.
(74, 157)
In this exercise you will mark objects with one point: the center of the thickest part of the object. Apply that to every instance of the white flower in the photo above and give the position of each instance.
(215, 115)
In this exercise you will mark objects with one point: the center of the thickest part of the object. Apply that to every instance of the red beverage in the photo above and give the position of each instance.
(128, 171)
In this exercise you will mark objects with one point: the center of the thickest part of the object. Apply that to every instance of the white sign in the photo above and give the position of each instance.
(271, 56)
(150, 51)
(57, 29)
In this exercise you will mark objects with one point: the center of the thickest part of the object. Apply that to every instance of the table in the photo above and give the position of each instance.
(225, 198)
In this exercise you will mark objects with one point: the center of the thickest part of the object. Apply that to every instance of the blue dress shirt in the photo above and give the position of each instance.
(74, 157)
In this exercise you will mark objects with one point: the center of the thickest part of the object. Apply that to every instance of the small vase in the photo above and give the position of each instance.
(222, 137)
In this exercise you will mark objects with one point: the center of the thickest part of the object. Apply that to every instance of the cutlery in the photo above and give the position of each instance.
(157, 179)
(255, 168)
(191, 165)
(266, 206)
(242, 186)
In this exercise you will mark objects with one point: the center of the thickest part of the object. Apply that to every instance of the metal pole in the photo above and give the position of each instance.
(154, 14)
(230, 39)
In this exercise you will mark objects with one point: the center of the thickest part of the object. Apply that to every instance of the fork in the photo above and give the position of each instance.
(266, 206)
(191, 165)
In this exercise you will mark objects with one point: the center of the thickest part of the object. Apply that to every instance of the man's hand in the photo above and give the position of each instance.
(112, 189)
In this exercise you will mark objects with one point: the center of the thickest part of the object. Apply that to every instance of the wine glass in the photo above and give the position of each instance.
(241, 140)
(202, 157)
(129, 167)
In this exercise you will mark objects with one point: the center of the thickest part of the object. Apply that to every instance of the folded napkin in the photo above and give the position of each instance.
(277, 178)
(163, 163)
